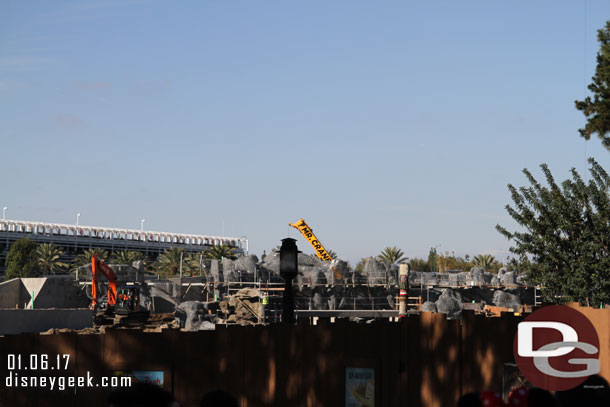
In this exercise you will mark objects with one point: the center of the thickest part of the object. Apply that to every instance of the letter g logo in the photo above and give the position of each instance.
(593, 365)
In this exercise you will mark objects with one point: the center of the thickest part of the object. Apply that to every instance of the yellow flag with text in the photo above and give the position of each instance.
(306, 231)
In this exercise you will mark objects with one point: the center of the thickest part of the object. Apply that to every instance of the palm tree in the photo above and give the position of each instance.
(332, 254)
(170, 259)
(127, 257)
(484, 261)
(391, 255)
(84, 258)
(48, 258)
(220, 252)
(360, 266)
(193, 263)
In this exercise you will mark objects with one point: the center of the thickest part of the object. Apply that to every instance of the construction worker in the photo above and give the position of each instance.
(265, 303)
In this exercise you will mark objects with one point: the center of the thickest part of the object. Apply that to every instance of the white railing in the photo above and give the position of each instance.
(100, 232)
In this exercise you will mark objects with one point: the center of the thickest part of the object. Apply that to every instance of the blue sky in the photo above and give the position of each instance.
(381, 123)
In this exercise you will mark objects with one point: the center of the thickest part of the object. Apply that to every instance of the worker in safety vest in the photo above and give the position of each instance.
(265, 303)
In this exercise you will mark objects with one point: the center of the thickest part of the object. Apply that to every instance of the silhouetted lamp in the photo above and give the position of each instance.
(289, 253)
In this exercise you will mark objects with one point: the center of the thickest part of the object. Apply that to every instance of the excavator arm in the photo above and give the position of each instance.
(306, 231)
(98, 266)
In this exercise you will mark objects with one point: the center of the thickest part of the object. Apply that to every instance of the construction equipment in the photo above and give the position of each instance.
(121, 305)
(128, 300)
(99, 266)
(306, 231)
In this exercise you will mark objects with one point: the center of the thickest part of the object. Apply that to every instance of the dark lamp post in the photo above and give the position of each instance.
(289, 253)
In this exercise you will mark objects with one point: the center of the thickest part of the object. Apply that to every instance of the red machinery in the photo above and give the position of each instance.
(99, 266)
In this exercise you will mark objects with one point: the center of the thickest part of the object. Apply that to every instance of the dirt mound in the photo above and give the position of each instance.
(155, 323)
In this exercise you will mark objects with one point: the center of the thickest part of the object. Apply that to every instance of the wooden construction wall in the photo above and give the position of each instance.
(423, 361)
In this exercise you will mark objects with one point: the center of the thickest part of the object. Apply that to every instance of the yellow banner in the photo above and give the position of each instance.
(306, 231)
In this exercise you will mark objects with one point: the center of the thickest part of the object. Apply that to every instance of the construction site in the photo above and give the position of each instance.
(226, 327)
(320, 286)
(247, 291)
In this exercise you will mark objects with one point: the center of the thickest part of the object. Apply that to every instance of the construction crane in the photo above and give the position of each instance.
(306, 231)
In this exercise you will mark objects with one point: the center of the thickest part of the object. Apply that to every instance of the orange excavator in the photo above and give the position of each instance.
(122, 301)
(99, 266)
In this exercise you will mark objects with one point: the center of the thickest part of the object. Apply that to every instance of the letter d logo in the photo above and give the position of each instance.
(525, 338)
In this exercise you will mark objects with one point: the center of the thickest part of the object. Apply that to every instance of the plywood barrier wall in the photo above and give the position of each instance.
(422, 361)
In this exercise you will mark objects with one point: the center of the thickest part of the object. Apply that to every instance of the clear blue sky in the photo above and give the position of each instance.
(381, 123)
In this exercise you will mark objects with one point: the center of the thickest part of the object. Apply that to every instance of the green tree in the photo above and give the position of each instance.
(21, 259)
(332, 254)
(193, 264)
(514, 264)
(48, 258)
(565, 241)
(432, 260)
(485, 261)
(360, 266)
(419, 265)
(169, 261)
(84, 258)
(449, 261)
(391, 255)
(441, 262)
(221, 251)
(127, 256)
(597, 110)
